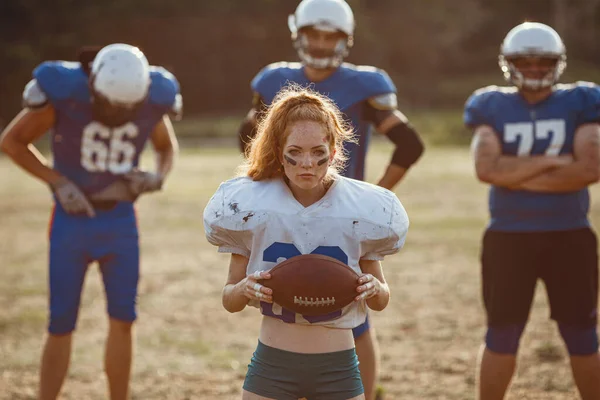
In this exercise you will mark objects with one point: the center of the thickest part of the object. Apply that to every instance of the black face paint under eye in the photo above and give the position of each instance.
(322, 161)
(290, 160)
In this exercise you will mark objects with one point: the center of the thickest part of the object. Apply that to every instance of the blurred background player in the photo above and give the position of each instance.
(322, 33)
(289, 192)
(537, 143)
(100, 116)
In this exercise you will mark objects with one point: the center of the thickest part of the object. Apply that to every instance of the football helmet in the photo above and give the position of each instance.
(324, 15)
(532, 39)
(119, 82)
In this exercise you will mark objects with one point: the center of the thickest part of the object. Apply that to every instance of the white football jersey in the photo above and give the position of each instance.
(263, 221)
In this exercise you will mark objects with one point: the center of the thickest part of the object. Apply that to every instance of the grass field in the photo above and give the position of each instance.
(189, 347)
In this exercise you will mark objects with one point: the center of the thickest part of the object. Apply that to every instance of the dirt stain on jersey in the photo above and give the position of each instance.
(234, 207)
(248, 216)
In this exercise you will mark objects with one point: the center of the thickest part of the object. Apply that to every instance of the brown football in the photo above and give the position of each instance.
(313, 284)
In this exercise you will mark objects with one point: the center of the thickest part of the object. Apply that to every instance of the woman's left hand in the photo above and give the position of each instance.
(368, 286)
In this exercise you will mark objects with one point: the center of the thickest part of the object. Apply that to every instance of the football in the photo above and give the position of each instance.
(313, 284)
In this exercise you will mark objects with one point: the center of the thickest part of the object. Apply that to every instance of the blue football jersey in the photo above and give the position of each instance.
(87, 152)
(349, 87)
(527, 129)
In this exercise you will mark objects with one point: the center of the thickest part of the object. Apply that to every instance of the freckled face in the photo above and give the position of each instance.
(306, 154)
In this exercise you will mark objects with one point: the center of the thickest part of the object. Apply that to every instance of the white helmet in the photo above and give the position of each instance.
(532, 39)
(121, 74)
(325, 15)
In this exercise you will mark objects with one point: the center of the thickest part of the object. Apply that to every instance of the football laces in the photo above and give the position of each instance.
(314, 302)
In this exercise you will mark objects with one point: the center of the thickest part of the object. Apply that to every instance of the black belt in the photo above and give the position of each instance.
(104, 204)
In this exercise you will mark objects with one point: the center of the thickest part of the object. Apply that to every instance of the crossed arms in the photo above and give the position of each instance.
(538, 173)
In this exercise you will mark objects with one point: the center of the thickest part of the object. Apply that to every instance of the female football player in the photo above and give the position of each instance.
(290, 201)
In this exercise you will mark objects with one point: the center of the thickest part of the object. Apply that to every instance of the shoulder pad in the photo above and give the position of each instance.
(273, 77)
(374, 80)
(62, 80)
(386, 214)
(223, 225)
(480, 104)
(586, 84)
(33, 95)
(479, 96)
(582, 88)
(386, 101)
(164, 91)
(586, 101)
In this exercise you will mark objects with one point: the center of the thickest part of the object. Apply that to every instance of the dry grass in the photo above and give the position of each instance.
(189, 347)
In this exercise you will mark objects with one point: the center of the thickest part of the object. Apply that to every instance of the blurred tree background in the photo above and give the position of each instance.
(437, 51)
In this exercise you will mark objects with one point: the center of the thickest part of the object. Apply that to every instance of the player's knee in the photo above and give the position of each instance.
(122, 312)
(580, 341)
(62, 324)
(120, 327)
(504, 339)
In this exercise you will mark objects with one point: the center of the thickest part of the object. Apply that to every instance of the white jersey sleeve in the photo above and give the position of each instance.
(219, 228)
(379, 222)
(390, 242)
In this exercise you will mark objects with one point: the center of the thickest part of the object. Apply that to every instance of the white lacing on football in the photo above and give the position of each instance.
(312, 302)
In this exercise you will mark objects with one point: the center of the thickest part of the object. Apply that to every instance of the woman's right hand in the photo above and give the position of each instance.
(253, 290)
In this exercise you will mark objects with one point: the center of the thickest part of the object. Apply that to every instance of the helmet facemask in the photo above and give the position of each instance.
(333, 18)
(532, 46)
(321, 58)
(515, 76)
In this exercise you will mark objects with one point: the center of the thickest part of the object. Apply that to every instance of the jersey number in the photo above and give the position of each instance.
(280, 250)
(543, 129)
(115, 157)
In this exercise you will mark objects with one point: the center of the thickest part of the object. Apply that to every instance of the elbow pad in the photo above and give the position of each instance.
(409, 146)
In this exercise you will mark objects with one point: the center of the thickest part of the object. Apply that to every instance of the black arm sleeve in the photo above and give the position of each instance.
(375, 115)
(409, 146)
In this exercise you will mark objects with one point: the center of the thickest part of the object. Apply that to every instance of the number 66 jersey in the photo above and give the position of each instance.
(90, 154)
(263, 221)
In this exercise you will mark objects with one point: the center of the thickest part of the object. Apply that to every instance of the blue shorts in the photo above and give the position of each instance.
(111, 238)
(362, 328)
(285, 375)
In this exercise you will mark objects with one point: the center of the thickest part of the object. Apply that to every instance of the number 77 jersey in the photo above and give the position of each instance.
(87, 152)
(544, 128)
(263, 221)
